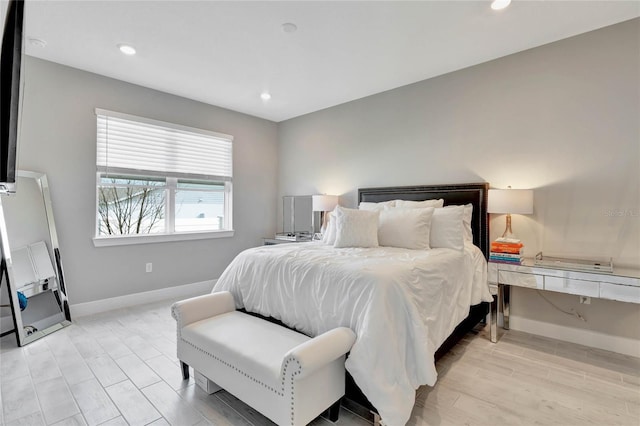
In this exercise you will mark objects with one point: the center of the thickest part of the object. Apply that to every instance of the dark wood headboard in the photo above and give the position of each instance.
(456, 194)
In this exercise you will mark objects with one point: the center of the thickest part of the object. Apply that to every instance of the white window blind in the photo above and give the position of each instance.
(130, 143)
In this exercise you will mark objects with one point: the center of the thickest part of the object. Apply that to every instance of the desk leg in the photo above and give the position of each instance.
(505, 300)
(493, 318)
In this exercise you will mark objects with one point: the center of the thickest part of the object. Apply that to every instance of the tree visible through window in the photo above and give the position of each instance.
(126, 207)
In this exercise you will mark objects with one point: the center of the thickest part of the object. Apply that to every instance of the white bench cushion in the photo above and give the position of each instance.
(258, 353)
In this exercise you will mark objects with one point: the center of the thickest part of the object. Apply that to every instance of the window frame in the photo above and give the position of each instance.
(170, 186)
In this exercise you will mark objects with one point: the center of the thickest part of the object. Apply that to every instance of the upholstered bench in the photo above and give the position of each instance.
(287, 376)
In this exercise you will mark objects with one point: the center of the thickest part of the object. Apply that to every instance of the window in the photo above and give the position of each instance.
(160, 179)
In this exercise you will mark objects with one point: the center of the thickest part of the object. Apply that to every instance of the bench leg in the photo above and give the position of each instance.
(334, 411)
(185, 370)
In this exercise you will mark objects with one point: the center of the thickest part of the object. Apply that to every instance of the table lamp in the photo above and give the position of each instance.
(323, 203)
(510, 201)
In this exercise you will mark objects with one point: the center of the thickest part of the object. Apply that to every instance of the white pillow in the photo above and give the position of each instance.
(404, 204)
(376, 206)
(405, 228)
(447, 229)
(466, 221)
(329, 236)
(356, 228)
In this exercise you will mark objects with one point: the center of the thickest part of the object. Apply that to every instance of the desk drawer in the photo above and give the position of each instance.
(521, 280)
(623, 293)
(572, 286)
(492, 273)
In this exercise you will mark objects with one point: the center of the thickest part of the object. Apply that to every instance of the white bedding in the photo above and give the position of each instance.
(402, 304)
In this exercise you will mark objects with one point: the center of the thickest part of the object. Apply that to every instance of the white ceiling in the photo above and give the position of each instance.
(227, 53)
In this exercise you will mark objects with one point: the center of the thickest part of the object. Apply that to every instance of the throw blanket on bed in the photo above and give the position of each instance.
(402, 304)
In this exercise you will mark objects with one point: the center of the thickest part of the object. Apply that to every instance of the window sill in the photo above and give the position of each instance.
(124, 240)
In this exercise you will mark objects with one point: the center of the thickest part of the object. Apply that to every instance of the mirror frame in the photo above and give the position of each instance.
(7, 265)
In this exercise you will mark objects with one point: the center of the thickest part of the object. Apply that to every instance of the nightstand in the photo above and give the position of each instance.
(621, 285)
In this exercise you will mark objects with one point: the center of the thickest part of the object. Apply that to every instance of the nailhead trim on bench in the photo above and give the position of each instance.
(284, 373)
(176, 315)
(237, 369)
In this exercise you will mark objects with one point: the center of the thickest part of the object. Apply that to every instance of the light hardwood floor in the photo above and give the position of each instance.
(120, 368)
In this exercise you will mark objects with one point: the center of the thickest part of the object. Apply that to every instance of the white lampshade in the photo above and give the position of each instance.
(324, 203)
(516, 201)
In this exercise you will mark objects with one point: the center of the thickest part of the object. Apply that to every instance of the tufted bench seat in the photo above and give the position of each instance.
(287, 376)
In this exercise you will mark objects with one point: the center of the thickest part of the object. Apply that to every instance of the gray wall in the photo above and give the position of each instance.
(59, 138)
(562, 119)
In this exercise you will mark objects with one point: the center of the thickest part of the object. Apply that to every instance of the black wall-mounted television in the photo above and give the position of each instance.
(10, 93)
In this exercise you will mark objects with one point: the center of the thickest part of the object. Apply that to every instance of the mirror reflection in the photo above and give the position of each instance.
(298, 216)
(32, 268)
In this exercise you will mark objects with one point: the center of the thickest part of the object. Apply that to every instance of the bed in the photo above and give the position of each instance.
(403, 304)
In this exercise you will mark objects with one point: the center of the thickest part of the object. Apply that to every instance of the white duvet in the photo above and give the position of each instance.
(402, 304)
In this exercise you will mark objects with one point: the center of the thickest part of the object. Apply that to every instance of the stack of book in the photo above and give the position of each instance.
(506, 250)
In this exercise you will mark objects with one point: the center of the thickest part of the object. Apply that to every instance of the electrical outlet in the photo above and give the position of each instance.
(585, 300)
(150, 268)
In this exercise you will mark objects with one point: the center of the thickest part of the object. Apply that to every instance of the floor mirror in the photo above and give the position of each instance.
(33, 290)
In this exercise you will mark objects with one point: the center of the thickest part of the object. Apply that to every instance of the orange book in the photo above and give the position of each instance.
(502, 243)
(507, 248)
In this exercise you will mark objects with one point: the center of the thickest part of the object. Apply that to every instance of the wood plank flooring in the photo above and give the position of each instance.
(120, 368)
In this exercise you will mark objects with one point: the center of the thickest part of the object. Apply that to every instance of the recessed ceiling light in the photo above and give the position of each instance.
(288, 27)
(265, 96)
(37, 42)
(500, 4)
(127, 49)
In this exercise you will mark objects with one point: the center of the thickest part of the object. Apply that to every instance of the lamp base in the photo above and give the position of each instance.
(323, 222)
(508, 233)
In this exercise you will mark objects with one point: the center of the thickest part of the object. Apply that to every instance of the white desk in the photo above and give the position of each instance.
(274, 241)
(622, 285)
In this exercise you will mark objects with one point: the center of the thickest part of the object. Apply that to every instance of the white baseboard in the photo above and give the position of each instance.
(103, 305)
(594, 339)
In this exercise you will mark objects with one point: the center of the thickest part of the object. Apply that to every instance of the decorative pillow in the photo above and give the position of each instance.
(329, 236)
(376, 207)
(404, 204)
(447, 228)
(405, 228)
(356, 228)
